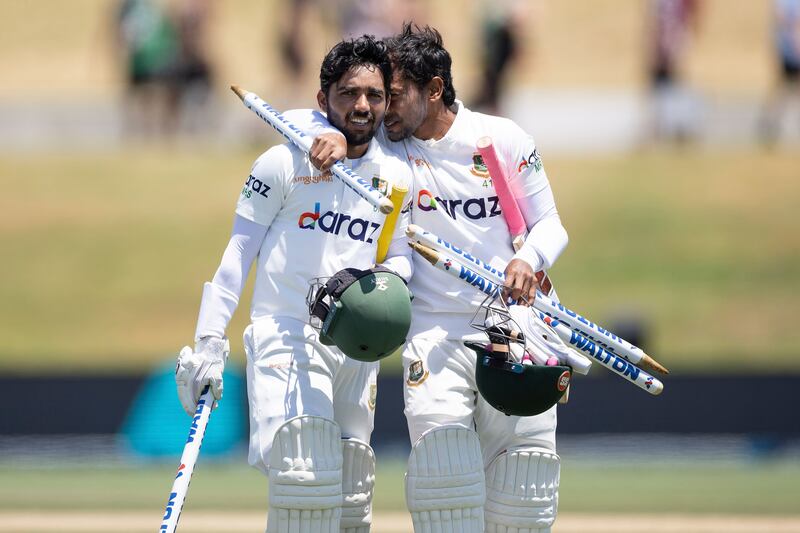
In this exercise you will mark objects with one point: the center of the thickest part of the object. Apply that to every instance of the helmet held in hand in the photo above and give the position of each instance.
(364, 313)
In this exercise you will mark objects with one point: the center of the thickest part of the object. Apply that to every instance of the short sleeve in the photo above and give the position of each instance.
(264, 189)
(526, 175)
(525, 170)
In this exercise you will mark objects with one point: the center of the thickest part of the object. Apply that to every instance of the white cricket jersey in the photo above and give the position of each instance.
(317, 225)
(454, 198)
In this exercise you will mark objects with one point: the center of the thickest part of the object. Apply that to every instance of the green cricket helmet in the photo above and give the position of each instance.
(364, 313)
(506, 378)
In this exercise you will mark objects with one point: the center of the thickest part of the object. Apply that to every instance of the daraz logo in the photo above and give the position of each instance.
(471, 208)
(309, 220)
(355, 228)
(425, 200)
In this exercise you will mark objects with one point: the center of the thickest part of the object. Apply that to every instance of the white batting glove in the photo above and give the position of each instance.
(199, 368)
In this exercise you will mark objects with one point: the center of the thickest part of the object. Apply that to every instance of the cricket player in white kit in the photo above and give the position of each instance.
(311, 407)
(471, 468)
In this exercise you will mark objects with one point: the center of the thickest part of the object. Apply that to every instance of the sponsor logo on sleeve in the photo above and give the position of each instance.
(533, 159)
(255, 186)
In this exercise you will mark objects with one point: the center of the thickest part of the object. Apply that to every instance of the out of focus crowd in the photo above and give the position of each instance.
(169, 72)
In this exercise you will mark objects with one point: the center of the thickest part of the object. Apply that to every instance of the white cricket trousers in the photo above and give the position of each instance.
(440, 390)
(290, 373)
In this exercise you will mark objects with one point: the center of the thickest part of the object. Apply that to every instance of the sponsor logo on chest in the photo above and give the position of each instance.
(471, 208)
(325, 177)
(340, 224)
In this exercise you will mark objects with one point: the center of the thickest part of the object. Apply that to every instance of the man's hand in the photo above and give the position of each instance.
(327, 149)
(199, 368)
(520, 282)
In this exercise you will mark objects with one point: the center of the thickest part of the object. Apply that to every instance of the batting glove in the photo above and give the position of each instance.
(199, 368)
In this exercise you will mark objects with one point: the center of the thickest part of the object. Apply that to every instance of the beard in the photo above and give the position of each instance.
(405, 124)
(406, 130)
(354, 138)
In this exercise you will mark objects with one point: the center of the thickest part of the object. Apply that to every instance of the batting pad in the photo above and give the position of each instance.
(445, 487)
(358, 483)
(305, 477)
(522, 491)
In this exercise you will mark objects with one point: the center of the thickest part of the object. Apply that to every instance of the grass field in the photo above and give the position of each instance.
(104, 256)
(593, 497)
(769, 488)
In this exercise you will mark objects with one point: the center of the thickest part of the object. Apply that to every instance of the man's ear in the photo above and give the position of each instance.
(435, 89)
(322, 101)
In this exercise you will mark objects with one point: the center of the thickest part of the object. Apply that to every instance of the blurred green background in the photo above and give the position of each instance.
(105, 254)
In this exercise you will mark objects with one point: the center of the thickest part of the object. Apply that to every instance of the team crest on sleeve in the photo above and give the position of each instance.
(416, 373)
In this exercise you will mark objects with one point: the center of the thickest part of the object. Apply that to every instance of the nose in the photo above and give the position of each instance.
(362, 104)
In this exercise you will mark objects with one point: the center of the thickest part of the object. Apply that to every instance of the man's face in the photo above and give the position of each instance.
(356, 104)
(407, 109)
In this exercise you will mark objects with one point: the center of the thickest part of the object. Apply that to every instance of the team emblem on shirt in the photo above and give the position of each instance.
(478, 166)
(381, 185)
(373, 396)
(416, 373)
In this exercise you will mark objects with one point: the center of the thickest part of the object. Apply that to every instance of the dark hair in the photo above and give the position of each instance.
(419, 54)
(347, 54)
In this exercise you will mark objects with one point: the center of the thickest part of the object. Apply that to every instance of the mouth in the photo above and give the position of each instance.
(391, 122)
(360, 122)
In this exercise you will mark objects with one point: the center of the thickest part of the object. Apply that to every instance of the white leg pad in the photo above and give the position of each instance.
(445, 486)
(305, 477)
(522, 491)
(358, 484)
